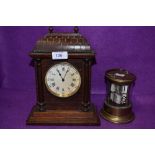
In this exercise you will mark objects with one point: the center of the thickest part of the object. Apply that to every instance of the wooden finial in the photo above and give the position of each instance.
(76, 29)
(50, 29)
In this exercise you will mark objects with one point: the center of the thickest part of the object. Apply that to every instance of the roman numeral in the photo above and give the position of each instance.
(72, 84)
(53, 84)
(74, 79)
(57, 88)
(50, 79)
(63, 68)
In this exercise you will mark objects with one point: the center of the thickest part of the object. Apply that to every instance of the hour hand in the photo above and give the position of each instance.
(59, 73)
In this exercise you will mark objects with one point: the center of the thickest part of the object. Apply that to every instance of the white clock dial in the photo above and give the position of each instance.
(63, 80)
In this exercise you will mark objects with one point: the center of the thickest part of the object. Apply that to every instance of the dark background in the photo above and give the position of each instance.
(132, 48)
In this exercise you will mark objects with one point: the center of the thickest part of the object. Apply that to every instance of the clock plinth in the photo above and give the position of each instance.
(62, 117)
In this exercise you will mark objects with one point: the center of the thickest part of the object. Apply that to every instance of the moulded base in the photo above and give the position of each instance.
(117, 115)
(62, 117)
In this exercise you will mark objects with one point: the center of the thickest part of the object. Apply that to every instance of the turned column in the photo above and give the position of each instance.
(39, 84)
(85, 106)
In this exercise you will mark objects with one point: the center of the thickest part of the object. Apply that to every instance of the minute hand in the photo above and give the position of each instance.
(66, 73)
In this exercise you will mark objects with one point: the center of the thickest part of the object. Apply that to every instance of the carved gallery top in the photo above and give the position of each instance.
(71, 42)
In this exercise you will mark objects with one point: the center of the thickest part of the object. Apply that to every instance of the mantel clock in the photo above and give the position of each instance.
(62, 64)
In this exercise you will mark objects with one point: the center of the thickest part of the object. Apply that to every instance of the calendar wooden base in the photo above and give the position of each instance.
(62, 117)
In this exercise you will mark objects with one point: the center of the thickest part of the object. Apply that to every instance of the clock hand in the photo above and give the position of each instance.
(60, 74)
(66, 73)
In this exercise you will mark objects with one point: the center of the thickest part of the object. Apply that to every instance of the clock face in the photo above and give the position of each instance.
(63, 80)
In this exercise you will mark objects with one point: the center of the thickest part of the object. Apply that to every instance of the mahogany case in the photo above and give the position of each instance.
(52, 110)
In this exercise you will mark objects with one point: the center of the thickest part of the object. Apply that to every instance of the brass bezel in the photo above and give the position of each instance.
(66, 95)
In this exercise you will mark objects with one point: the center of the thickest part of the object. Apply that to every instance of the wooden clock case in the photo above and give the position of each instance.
(52, 110)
